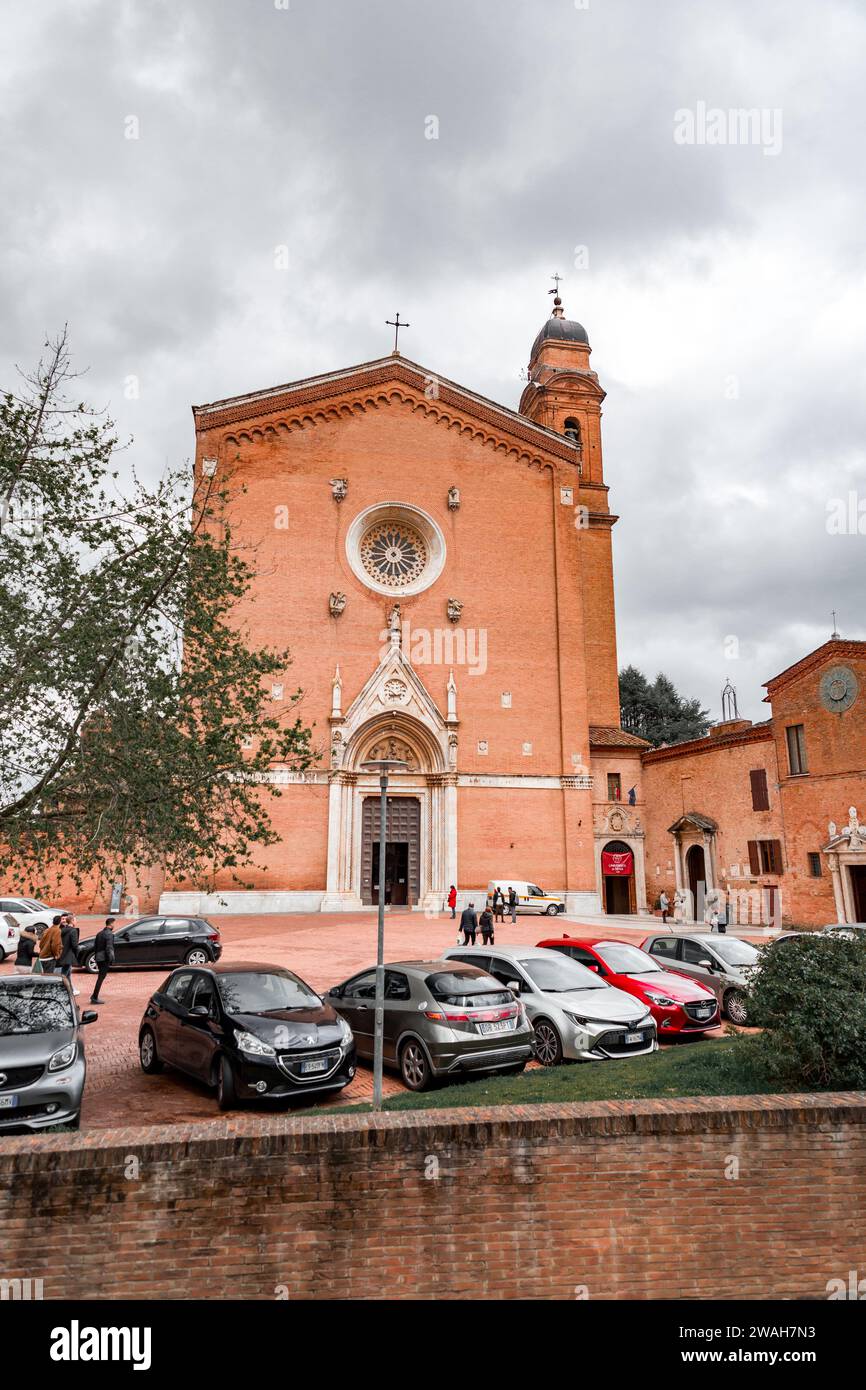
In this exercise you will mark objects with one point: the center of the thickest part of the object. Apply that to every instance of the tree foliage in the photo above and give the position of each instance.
(654, 710)
(135, 721)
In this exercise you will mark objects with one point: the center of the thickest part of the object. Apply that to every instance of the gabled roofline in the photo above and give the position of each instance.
(252, 403)
(756, 733)
(835, 646)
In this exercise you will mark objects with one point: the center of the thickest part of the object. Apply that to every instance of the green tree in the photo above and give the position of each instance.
(656, 711)
(135, 721)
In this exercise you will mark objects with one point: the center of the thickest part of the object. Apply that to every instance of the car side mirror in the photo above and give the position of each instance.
(514, 986)
(89, 1017)
(337, 991)
(707, 964)
(200, 1011)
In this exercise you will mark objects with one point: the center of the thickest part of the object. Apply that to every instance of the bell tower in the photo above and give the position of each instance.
(563, 394)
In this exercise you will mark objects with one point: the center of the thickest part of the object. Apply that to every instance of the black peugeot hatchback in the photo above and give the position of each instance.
(255, 1032)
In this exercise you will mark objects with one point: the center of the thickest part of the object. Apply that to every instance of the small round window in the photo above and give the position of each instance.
(393, 553)
(395, 548)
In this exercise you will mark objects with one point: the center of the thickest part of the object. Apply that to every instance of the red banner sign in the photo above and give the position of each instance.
(619, 863)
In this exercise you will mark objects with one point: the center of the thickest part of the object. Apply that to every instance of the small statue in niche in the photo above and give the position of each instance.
(454, 609)
(453, 499)
(336, 604)
(339, 488)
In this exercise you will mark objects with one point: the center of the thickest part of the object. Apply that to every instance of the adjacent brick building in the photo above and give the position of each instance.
(763, 816)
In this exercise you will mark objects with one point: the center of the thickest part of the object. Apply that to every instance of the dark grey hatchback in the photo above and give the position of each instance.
(441, 1019)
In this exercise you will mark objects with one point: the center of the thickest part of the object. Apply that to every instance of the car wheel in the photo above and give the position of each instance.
(736, 1007)
(227, 1096)
(552, 910)
(414, 1066)
(147, 1053)
(197, 956)
(89, 963)
(548, 1044)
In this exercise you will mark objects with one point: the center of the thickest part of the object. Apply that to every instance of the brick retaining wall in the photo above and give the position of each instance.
(606, 1200)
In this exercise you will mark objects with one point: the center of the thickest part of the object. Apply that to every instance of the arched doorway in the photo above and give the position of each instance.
(617, 868)
(696, 874)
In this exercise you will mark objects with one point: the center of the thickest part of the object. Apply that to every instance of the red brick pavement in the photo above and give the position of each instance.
(324, 949)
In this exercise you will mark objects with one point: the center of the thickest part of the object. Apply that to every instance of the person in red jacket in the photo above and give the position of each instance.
(452, 901)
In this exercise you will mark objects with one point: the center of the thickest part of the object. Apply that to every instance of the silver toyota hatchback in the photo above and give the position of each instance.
(724, 964)
(576, 1016)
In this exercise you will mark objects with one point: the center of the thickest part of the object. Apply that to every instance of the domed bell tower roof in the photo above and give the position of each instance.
(560, 329)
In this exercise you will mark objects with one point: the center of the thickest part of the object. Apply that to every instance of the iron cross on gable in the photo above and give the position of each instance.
(397, 325)
(556, 279)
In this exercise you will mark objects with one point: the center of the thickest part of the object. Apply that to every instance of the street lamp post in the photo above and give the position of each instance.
(383, 766)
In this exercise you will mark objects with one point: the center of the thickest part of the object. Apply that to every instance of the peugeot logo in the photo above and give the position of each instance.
(306, 1041)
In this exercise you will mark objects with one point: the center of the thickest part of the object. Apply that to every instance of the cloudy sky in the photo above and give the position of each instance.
(723, 285)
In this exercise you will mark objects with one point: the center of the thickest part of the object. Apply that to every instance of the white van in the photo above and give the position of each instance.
(530, 898)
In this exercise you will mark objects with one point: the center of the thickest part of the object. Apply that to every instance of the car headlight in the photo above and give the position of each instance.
(253, 1046)
(64, 1058)
(581, 1020)
(661, 999)
(345, 1031)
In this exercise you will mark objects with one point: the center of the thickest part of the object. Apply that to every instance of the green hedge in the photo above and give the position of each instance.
(810, 999)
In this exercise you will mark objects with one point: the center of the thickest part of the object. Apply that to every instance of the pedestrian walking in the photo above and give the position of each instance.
(27, 944)
(51, 946)
(498, 905)
(512, 903)
(665, 905)
(722, 920)
(452, 901)
(468, 925)
(103, 953)
(69, 942)
(485, 922)
(714, 921)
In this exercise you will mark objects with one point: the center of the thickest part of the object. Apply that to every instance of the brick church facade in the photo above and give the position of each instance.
(439, 567)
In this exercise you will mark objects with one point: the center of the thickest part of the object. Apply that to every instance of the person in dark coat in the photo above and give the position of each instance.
(499, 905)
(28, 944)
(485, 922)
(512, 904)
(69, 943)
(103, 952)
(469, 924)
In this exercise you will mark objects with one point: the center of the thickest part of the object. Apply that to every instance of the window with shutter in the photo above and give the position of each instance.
(776, 856)
(760, 790)
(796, 737)
(754, 858)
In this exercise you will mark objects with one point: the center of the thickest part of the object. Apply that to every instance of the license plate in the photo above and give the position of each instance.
(703, 1013)
(503, 1027)
(8, 1102)
(314, 1064)
(634, 1037)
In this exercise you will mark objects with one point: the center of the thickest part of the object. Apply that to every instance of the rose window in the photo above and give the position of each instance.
(394, 554)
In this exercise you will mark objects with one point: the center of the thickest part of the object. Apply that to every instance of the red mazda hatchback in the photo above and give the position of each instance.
(677, 1004)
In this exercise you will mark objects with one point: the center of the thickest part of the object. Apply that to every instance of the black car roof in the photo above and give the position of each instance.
(234, 967)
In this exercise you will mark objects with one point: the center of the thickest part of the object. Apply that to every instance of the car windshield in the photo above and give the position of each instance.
(627, 960)
(734, 952)
(34, 902)
(36, 1007)
(560, 973)
(264, 992)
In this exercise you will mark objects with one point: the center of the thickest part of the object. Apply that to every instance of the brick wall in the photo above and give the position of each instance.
(612, 1200)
